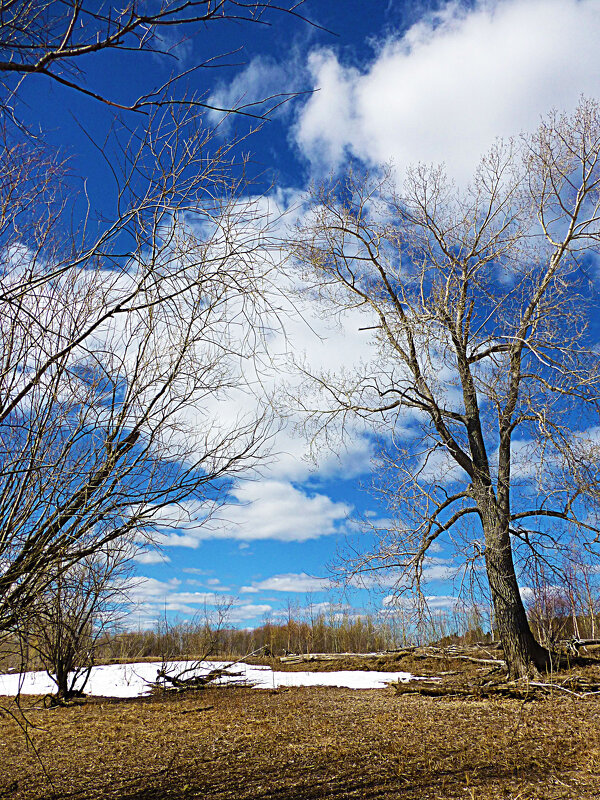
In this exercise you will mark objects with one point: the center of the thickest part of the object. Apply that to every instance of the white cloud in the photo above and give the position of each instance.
(152, 590)
(333, 611)
(178, 539)
(293, 325)
(527, 593)
(434, 569)
(438, 467)
(434, 602)
(330, 114)
(272, 509)
(452, 83)
(256, 90)
(154, 596)
(195, 598)
(243, 613)
(151, 557)
(151, 598)
(197, 571)
(290, 582)
(377, 579)
(438, 572)
(263, 509)
(171, 41)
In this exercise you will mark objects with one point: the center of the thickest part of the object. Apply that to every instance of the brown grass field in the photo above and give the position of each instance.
(304, 744)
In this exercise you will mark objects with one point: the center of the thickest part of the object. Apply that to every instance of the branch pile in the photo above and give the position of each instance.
(189, 679)
(476, 654)
(300, 658)
(486, 687)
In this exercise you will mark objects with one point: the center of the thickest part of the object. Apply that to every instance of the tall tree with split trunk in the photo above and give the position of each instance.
(485, 379)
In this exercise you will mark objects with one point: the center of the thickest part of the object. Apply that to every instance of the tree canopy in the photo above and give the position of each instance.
(486, 382)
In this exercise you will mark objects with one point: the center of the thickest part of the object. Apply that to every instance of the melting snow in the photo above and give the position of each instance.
(131, 680)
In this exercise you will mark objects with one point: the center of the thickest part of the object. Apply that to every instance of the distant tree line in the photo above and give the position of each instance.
(554, 613)
(335, 633)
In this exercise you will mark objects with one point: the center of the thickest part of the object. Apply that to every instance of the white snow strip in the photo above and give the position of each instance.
(132, 680)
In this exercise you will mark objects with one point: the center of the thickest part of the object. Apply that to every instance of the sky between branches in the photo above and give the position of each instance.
(401, 81)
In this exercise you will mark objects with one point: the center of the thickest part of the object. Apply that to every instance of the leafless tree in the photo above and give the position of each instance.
(54, 40)
(77, 609)
(562, 601)
(121, 333)
(118, 343)
(486, 381)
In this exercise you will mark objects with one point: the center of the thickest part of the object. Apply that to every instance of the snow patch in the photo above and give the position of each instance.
(132, 680)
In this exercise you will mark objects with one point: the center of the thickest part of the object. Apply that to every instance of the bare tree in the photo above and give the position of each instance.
(76, 611)
(122, 334)
(486, 382)
(54, 39)
(118, 343)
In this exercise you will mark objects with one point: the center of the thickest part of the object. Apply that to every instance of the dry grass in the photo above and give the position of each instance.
(304, 744)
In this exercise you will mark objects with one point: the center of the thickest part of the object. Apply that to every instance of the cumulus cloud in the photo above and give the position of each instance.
(377, 580)
(527, 593)
(291, 323)
(248, 612)
(179, 539)
(151, 598)
(434, 602)
(434, 568)
(150, 592)
(151, 589)
(197, 571)
(455, 81)
(438, 572)
(290, 582)
(334, 611)
(274, 509)
(151, 557)
(262, 509)
(438, 467)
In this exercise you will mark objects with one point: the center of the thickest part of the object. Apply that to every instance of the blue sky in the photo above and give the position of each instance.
(399, 81)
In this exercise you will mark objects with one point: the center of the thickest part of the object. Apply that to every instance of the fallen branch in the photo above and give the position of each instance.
(468, 691)
(522, 689)
(298, 658)
(497, 662)
(180, 684)
(196, 710)
(576, 643)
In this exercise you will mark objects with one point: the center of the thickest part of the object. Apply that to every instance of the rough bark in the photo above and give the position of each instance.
(477, 293)
(523, 655)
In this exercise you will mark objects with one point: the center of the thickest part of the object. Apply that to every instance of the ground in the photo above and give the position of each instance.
(304, 744)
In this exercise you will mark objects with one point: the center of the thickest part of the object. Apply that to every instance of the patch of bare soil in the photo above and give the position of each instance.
(305, 744)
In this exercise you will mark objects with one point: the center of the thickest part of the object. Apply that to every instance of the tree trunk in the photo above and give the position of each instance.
(523, 655)
(62, 680)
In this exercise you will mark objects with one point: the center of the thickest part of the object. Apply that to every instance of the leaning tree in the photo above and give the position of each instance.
(119, 345)
(124, 322)
(485, 384)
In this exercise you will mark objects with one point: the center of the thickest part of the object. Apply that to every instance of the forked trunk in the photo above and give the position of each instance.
(524, 656)
(62, 680)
